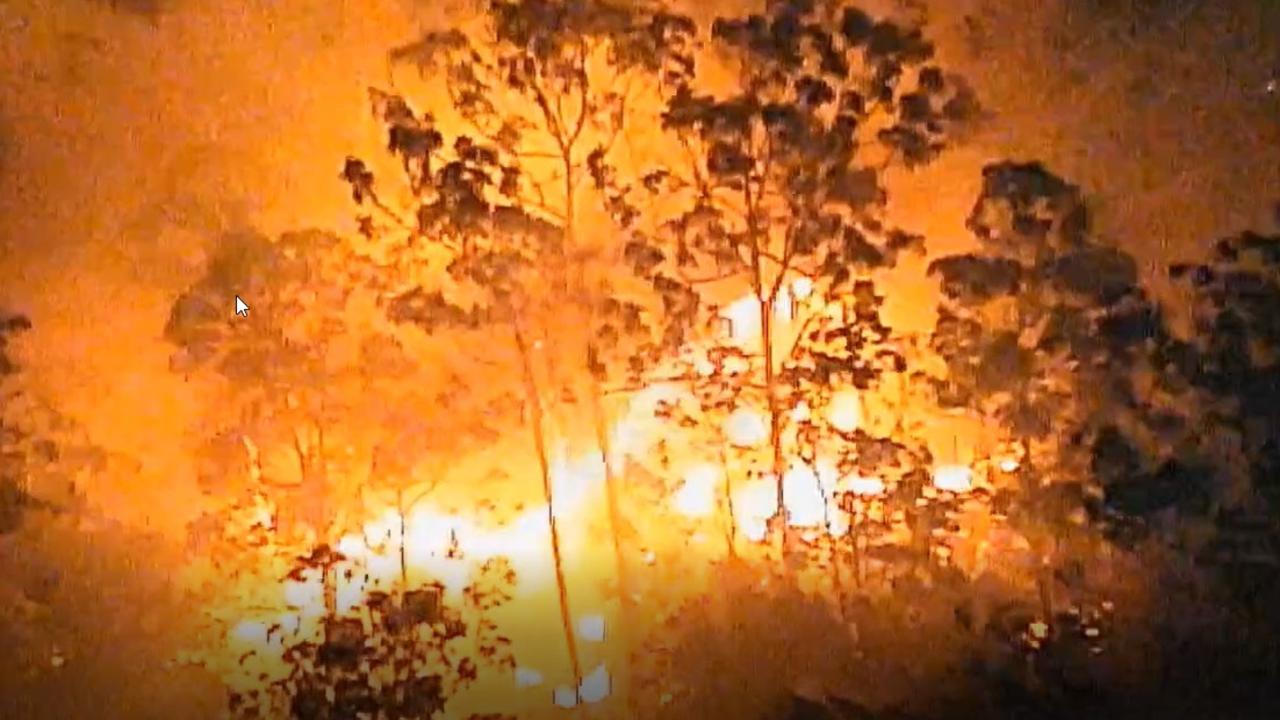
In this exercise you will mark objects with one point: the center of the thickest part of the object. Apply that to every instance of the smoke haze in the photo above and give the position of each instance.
(134, 132)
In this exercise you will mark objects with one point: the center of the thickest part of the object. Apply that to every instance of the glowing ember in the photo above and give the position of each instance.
(953, 478)
(1009, 465)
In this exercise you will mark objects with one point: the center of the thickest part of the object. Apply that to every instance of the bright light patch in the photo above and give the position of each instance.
(744, 318)
(953, 478)
(382, 528)
(250, 633)
(802, 288)
(306, 595)
(350, 591)
(845, 411)
(351, 546)
(746, 428)
(697, 497)
(865, 486)
(591, 628)
(1009, 465)
(801, 412)
(784, 307)
(527, 677)
(595, 687)
(573, 480)
(805, 502)
(565, 696)
(754, 503)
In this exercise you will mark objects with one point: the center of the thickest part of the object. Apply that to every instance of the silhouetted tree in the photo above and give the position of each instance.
(783, 180)
(45, 457)
(1229, 367)
(550, 87)
(14, 497)
(1048, 337)
(399, 656)
(286, 393)
(492, 251)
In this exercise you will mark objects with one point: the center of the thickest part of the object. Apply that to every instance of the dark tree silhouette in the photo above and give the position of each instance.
(45, 457)
(783, 180)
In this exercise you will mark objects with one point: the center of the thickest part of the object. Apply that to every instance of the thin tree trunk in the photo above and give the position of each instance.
(856, 542)
(534, 400)
(611, 493)
(833, 550)
(404, 551)
(731, 532)
(626, 605)
(775, 422)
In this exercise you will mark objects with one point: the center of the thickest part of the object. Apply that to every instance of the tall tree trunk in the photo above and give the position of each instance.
(534, 400)
(731, 519)
(625, 603)
(778, 462)
(404, 536)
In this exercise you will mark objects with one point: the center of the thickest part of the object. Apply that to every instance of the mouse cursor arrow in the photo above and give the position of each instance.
(242, 309)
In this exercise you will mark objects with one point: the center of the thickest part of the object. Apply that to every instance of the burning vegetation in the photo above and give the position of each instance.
(600, 407)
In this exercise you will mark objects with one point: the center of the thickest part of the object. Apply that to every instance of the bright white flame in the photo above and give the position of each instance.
(953, 478)
(746, 428)
(250, 633)
(845, 410)
(591, 628)
(806, 504)
(784, 307)
(352, 546)
(595, 687)
(697, 497)
(306, 595)
(801, 412)
(802, 288)
(527, 677)
(350, 591)
(573, 480)
(744, 318)
(382, 529)
(1009, 465)
(565, 696)
(754, 503)
(867, 486)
